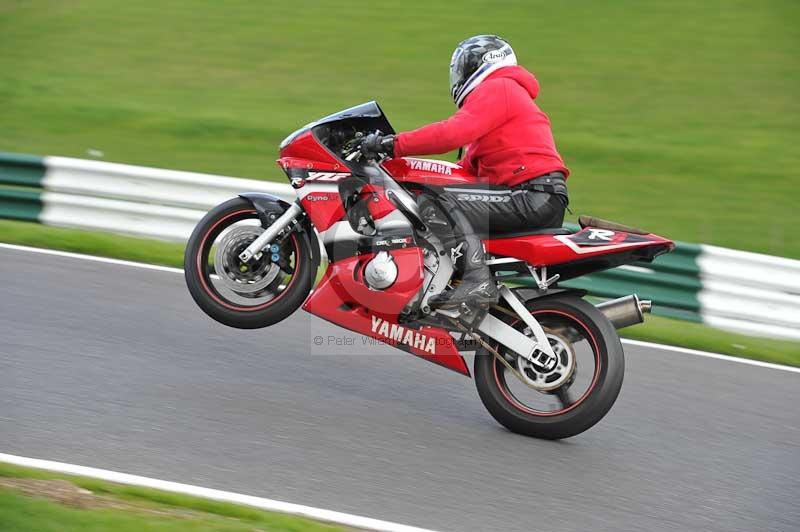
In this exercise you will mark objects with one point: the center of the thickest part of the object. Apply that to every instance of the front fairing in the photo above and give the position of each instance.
(369, 111)
(367, 116)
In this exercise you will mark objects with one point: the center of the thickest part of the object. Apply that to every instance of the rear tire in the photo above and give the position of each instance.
(224, 310)
(590, 407)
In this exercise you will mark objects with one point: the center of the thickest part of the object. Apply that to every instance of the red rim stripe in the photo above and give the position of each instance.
(519, 406)
(212, 293)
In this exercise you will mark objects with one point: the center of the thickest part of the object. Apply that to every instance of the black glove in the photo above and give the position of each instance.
(375, 144)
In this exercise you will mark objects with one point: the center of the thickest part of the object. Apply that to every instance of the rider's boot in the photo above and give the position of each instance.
(477, 286)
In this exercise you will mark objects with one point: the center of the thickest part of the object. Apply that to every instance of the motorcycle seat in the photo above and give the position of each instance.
(529, 232)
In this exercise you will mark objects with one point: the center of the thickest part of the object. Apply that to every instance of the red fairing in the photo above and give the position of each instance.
(344, 299)
(378, 204)
(307, 147)
(324, 208)
(546, 250)
(428, 172)
(346, 278)
(308, 164)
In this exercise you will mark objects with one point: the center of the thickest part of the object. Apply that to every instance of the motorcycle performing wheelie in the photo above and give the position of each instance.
(547, 362)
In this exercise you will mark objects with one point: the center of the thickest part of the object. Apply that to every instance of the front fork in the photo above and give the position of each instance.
(269, 234)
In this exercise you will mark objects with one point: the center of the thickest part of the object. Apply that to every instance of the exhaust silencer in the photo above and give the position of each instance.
(625, 311)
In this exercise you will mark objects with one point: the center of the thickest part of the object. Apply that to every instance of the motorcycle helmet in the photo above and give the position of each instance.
(473, 60)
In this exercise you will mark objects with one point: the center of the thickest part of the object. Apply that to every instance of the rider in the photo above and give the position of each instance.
(509, 145)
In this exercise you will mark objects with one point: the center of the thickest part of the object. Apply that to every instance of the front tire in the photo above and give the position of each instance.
(246, 296)
(562, 317)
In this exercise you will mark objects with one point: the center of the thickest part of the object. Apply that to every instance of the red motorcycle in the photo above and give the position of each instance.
(547, 362)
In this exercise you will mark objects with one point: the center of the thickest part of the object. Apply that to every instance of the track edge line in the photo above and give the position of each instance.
(319, 514)
(708, 354)
(639, 343)
(93, 258)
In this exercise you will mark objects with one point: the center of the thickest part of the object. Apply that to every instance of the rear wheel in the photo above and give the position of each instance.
(571, 395)
(246, 295)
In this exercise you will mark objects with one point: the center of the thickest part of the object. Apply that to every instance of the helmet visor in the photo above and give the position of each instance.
(456, 69)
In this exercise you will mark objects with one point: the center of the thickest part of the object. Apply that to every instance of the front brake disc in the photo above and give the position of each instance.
(246, 279)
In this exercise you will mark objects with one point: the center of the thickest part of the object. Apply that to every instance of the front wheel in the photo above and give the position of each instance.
(568, 398)
(249, 295)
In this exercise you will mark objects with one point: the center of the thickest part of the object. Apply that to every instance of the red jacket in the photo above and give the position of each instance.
(508, 137)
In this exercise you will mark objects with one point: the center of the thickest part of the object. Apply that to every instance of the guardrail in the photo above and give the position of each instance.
(735, 290)
(125, 199)
(751, 293)
(672, 281)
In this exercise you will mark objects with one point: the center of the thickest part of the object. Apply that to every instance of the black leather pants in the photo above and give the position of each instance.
(493, 210)
(462, 216)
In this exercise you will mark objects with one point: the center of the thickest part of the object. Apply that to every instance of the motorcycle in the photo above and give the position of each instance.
(547, 363)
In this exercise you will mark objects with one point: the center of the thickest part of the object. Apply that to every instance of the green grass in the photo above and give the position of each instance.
(696, 336)
(675, 115)
(92, 243)
(33, 514)
(655, 329)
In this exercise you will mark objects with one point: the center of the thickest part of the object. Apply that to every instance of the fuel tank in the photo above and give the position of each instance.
(427, 172)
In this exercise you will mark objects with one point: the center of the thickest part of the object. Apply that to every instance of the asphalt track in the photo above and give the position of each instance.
(114, 367)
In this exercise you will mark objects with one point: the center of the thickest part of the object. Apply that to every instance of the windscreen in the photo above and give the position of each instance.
(365, 117)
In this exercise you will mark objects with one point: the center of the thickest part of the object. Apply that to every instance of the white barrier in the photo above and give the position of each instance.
(135, 200)
(150, 185)
(744, 292)
(750, 293)
(119, 216)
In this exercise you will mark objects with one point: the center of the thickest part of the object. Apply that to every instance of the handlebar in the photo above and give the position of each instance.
(354, 150)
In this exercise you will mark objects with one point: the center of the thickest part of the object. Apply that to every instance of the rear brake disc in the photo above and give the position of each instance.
(547, 379)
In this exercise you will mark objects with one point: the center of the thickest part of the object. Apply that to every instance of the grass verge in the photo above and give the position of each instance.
(697, 336)
(43, 501)
(655, 329)
(92, 243)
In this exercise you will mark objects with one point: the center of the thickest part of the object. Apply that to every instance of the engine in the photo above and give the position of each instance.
(381, 271)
